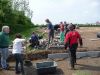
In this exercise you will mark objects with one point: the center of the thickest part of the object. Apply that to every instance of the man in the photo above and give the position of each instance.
(66, 28)
(65, 25)
(71, 40)
(4, 44)
(50, 31)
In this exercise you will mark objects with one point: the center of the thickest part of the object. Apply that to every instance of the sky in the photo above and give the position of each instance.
(75, 11)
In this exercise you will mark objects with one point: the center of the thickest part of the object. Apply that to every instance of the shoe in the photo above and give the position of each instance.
(18, 72)
(7, 65)
(23, 73)
(76, 64)
(72, 68)
(5, 68)
(0, 66)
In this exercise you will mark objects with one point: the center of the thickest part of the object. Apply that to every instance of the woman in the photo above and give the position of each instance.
(61, 32)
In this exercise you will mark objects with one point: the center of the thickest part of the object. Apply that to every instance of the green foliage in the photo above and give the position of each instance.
(27, 33)
(16, 19)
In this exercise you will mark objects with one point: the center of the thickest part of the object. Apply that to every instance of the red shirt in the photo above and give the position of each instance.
(72, 37)
(62, 27)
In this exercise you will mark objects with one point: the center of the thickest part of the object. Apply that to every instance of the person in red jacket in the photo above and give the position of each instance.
(71, 41)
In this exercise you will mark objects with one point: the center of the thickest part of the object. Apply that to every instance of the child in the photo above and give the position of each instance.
(17, 52)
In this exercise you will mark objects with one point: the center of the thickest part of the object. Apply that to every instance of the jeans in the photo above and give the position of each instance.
(72, 54)
(50, 36)
(4, 55)
(19, 59)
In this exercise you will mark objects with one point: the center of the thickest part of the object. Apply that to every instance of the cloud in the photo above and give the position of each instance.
(95, 4)
(80, 11)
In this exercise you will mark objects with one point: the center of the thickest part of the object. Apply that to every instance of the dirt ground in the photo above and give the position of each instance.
(89, 35)
(90, 40)
(86, 66)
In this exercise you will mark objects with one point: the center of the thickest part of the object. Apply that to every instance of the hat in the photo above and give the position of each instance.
(70, 26)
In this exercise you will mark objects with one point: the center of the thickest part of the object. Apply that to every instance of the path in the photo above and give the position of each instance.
(86, 66)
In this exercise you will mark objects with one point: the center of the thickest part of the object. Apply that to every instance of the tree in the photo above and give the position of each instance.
(13, 13)
(23, 5)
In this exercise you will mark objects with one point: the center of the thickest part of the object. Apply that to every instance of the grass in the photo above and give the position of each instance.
(27, 33)
(82, 73)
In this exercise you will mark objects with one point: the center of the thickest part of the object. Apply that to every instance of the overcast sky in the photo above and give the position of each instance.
(76, 11)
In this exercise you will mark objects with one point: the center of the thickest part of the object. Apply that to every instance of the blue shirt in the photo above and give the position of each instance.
(34, 38)
(50, 26)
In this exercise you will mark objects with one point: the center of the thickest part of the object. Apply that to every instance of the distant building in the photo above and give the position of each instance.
(98, 23)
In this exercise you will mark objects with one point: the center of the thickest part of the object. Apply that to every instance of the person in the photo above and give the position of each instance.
(71, 41)
(4, 44)
(50, 31)
(61, 32)
(34, 41)
(56, 27)
(66, 28)
(18, 52)
(65, 25)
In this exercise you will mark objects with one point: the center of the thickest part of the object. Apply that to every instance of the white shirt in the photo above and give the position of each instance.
(17, 45)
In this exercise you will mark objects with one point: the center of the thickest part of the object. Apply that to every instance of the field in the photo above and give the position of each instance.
(86, 66)
(90, 40)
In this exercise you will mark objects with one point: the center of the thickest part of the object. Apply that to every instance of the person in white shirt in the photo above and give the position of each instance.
(17, 52)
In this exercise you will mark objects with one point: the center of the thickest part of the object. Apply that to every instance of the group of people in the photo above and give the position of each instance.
(18, 43)
(70, 39)
(62, 27)
(17, 51)
(69, 36)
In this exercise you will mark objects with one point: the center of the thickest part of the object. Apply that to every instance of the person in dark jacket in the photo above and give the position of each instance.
(34, 41)
(66, 27)
(71, 40)
(4, 44)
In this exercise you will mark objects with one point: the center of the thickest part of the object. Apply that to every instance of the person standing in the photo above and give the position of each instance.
(4, 44)
(71, 40)
(61, 32)
(50, 31)
(17, 52)
(66, 27)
